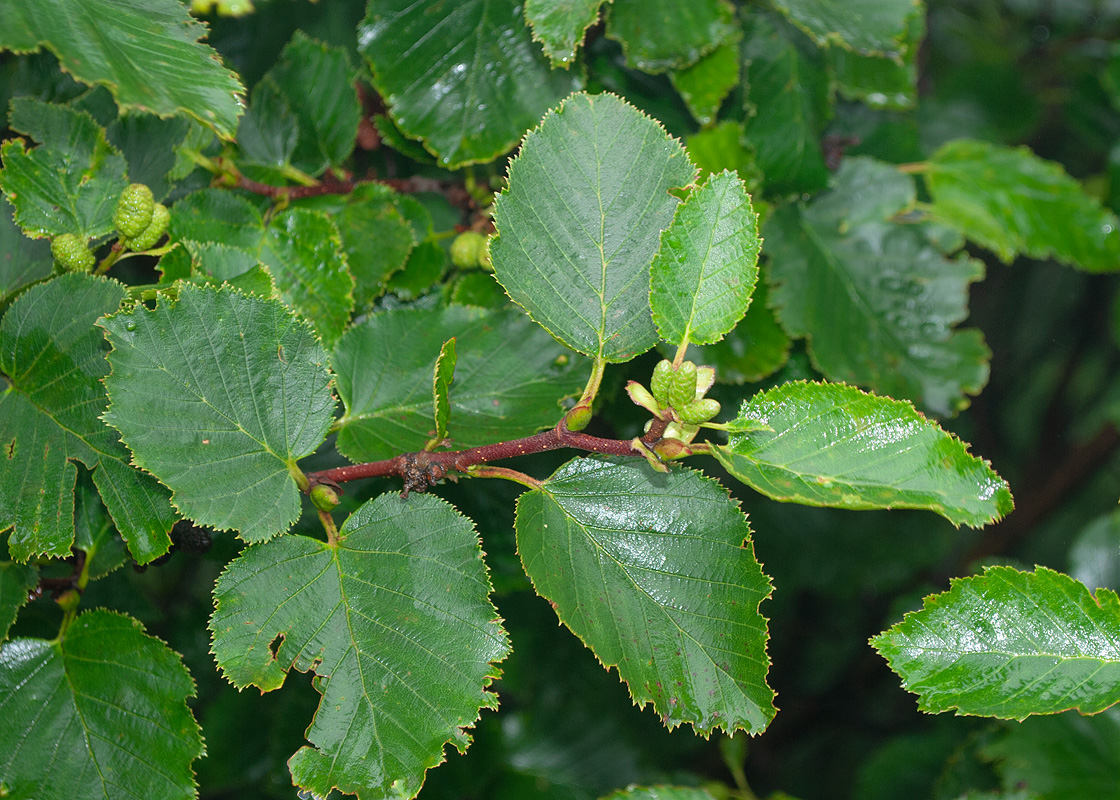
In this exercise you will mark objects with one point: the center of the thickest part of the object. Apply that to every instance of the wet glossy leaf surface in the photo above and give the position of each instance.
(659, 35)
(510, 377)
(1009, 644)
(140, 50)
(55, 359)
(867, 26)
(218, 394)
(559, 25)
(1013, 202)
(99, 713)
(704, 273)
(656, 574)
(787, 89)
(70, 182)
(396, 623)
(16, 582)
(1094, 556)
(470, 101)
(877, 300)
(580, 222)
(22, 260)
(833, 445)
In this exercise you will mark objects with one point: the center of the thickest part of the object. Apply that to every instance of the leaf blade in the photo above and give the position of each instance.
(244, 393)
(140, 50)
(453, 98)
(509, 380)
(402, 636)
(106, 697)
(49, 419)
(603, 540)
(855, 450)
(705, 270)
(1008, 644)
(579, 223)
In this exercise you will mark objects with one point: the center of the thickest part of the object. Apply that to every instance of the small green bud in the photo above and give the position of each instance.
(72, 253)
(324, 497)
(150, 235)
(662, 380)
(467, 249)
(682, 388)
(578, 417)
(669, 449)
(699, 411)
(134, 210)
(69, 599)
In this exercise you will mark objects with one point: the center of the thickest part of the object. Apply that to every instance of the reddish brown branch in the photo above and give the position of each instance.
(423, 469)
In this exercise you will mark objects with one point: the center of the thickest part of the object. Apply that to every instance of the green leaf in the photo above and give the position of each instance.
(882, 81)
(303, 251)
(873, 27)
(98, 713)
(71, 182)
(756, 348)
(396, 622)
(376, 237)
(579, 223)
(217, 215)
(464, 77)
(1063, 757)
(269, 130)
(559, 25)
(54, 358)
(722, 146)
(833, 445)
(706, 84)
(327, 114)
(16, 583)
(218, 395)
(659, 35)
(94, 533)
(1010, 201)
(22, 260)
(421, 271)
(787, 91)
(704, 273)
(510, 378)
(140, 50)
(876, 299)
(148, 144)
(656, 574)
(1009, 644)
(442, 377)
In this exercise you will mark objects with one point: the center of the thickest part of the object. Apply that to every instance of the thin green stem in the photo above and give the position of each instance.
(593, 382)
(678, 359)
